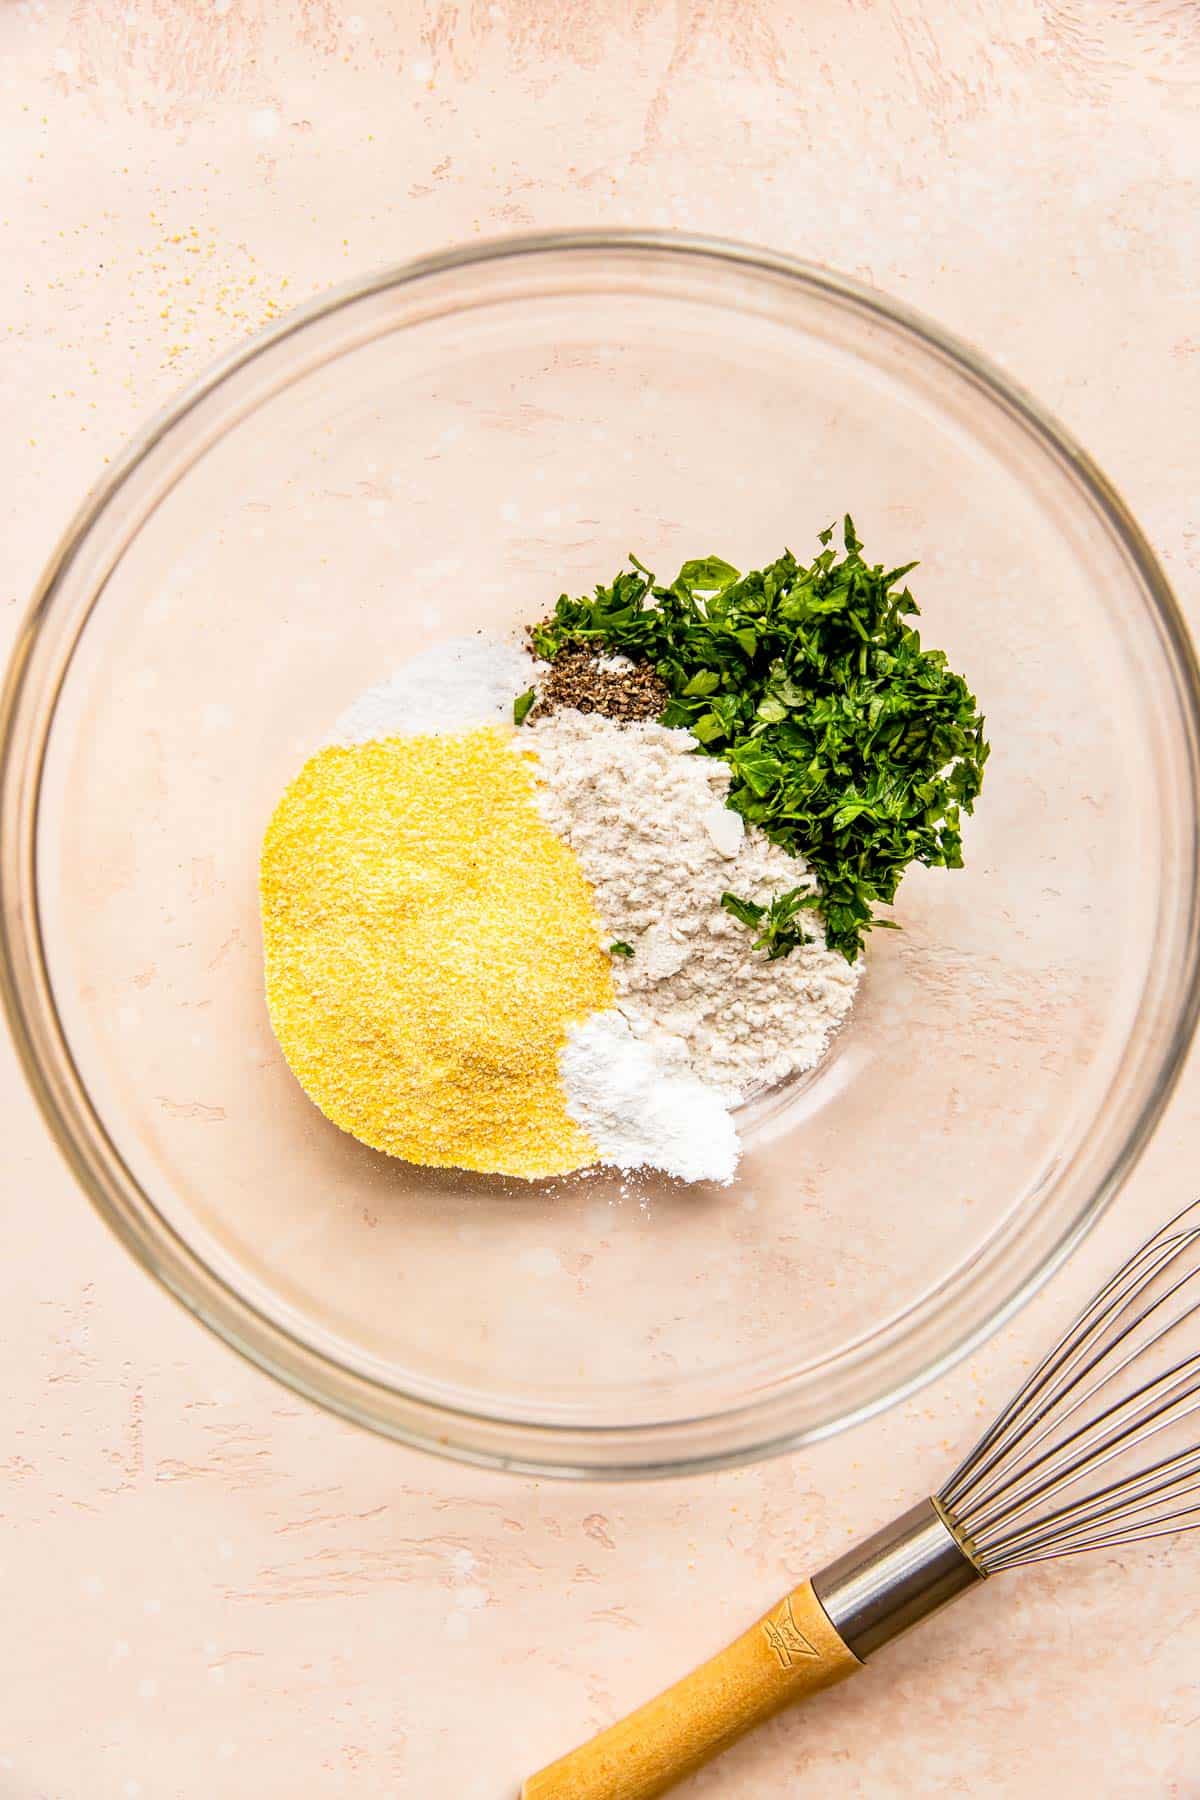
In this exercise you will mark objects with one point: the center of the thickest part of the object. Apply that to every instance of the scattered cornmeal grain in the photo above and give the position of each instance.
(429, 941)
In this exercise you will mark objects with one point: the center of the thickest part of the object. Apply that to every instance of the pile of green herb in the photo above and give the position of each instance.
(850, 744)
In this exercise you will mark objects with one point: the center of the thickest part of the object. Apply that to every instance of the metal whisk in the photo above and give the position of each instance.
(1099, 1448)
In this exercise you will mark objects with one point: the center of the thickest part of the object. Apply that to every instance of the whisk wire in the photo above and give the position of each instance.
(1104, 1526)
(1127, 1497)
(1063, 1468)
(1111, 1375)
(1116, 1542)
(1100, 1440)
(1057, 1365)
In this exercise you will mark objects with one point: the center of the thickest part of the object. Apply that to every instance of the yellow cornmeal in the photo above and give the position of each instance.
(428, 943)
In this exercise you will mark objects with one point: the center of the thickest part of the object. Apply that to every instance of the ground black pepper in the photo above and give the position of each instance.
(580, 679)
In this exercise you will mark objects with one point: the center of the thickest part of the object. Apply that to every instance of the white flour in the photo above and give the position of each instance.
(453, 686)
(647, 821)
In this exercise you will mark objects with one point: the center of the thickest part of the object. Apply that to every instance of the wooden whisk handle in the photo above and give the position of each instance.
(791, 1652)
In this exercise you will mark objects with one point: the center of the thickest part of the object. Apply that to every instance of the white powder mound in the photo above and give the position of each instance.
(636, 1112)
(647, 820)
(451, 687)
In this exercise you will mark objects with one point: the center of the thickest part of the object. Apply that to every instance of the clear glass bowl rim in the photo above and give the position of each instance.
(760, 1426)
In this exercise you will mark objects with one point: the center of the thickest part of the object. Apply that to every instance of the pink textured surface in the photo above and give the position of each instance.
(210, 1588)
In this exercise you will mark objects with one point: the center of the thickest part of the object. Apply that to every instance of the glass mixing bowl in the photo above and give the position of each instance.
(446, 447)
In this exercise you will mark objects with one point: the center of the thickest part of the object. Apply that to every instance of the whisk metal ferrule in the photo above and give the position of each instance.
(895, 1578)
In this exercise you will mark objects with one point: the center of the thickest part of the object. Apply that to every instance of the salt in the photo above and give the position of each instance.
(454, 686)
(636, 1112)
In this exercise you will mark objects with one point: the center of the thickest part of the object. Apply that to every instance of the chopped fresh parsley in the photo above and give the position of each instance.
(851, 745)
(620, 949)
(777, 922)
(522, 705)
